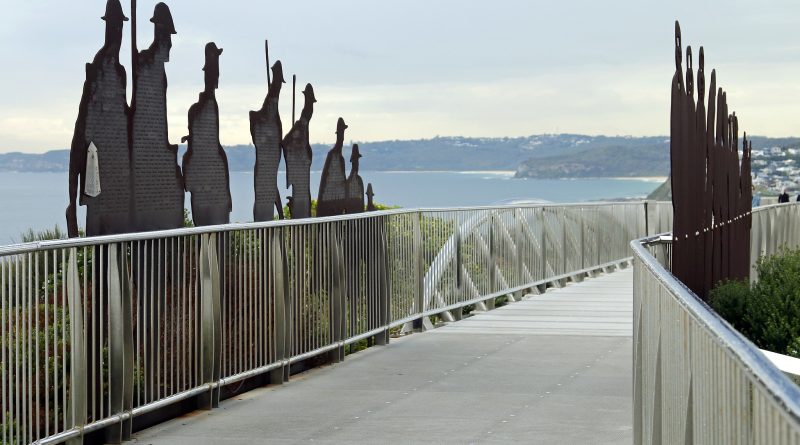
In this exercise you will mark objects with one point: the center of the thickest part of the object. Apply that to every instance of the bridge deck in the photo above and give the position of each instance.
(554, 368)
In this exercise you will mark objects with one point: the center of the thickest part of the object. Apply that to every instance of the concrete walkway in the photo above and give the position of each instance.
(554, 368)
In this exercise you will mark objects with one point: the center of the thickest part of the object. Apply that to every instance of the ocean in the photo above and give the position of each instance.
(38, 200)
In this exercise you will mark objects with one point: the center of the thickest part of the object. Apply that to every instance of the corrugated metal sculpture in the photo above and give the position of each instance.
(711, 189)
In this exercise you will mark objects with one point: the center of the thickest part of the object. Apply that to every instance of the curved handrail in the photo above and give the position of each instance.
(766, 379)
(14, 249)
(751, 357)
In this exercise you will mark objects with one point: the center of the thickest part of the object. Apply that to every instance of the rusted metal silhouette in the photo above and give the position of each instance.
(370, 203)
(331, 199)
(205, 165)
(297, 153)
(125, 171)
(158, 190)
(99, 167)
(266, 130)
(712, 189)
(354, 187)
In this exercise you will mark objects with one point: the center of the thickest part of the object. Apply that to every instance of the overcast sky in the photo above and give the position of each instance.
(417, 68)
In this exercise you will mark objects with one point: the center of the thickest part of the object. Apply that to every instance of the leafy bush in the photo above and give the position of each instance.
(729, 300)
(768, 312)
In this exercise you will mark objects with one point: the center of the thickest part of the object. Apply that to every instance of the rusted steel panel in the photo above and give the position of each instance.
(711, 188)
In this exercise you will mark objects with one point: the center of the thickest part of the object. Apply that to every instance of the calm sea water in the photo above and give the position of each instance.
(38, 200)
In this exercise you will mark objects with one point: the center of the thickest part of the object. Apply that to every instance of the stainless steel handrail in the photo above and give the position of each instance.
(149, 319)
(697, 379)
(12, 249)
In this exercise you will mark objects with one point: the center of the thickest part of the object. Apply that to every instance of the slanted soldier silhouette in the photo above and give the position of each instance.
(332, 187)
(370, 194)
(297, 152)
(205, 165)
(267, 130)
(158, 183)
(354, 187)
(101, 138)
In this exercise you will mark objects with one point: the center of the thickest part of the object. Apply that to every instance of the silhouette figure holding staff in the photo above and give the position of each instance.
(297, 152)
(100, 145)
(266, 130)
(205, 165)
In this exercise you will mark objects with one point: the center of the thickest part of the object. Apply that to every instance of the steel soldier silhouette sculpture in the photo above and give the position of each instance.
(354, 186)
(158, 184)
(331, 199)
(298, 155)
(100, 145)
(266, 130)
(205, 165)
(354, 203)
(370, 194)
(100, 179)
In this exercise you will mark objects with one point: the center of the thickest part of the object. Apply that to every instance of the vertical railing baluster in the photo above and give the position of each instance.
(77, 394)
(417, 250)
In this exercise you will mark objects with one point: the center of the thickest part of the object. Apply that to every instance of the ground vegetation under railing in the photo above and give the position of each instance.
(767, 312)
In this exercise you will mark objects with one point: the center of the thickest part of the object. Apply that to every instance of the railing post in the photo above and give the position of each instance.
(384, 290)
(583, 241)
(599, 240)
(519, 220)
(210, 321)
(418, 323)
(563, 241)
(120, 313)
(337, 314)
(493, 261)
(278, 272)
(458, 312)
(544, 243)
(77, 393)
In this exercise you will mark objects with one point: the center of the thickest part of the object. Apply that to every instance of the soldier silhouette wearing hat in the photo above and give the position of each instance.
(100, 140)
(332, 192)
(158, 183)
(297, 152)
(267, 130)
(205, 165)
(354, 194)
(370, 203)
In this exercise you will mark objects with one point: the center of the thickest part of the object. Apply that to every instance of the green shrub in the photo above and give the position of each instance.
(768, 312)
(729, 300)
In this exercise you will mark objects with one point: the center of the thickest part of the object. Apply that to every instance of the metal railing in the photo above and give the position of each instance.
(97, 331)
(696, 379)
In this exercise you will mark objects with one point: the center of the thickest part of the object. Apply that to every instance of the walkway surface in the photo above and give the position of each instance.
(554, 368)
